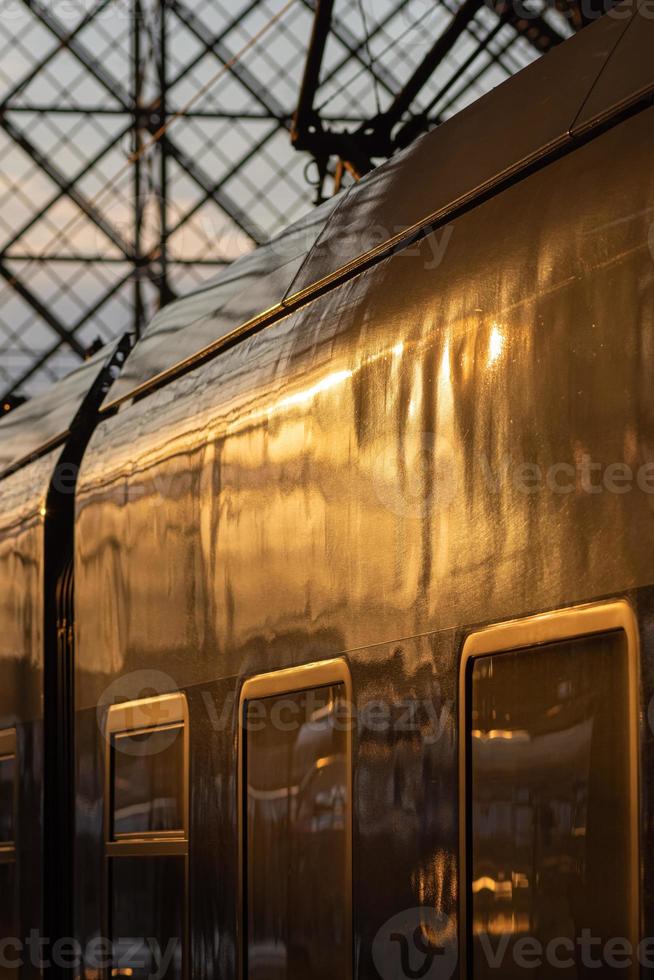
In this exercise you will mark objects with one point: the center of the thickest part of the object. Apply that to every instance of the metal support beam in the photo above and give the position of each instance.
(32, 300)
(389, 130)
(69, 190)
(151, 174)
(165, 291)
(69, 41)
(64, 189)
(44, 357)
(304, 119)
(215, 188)
(42, 63)
(248, 80)
(137, 144)
(354, 48)
(382, 126)
(213, 191)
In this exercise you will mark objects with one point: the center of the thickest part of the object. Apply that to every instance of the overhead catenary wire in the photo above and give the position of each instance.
(365, 68)
(366, 45)
(476, 53)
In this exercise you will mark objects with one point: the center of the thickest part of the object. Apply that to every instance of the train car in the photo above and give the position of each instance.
(356, 550)
(40, 450)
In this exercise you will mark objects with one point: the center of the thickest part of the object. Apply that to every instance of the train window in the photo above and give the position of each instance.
(148, 917)
(8, 903)
(550, 821)
(295, 821)
(146, 830)
(7, 782)
(7, 790)
(148, 781)
(7, 899)
(147, 771)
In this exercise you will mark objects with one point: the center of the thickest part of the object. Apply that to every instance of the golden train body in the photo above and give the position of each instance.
(326, 613)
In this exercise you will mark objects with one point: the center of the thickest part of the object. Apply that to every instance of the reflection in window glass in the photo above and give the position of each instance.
(8, 918)
(7, 792)
(148, 781)
(550, 792)
(297, 812)
(147, 917)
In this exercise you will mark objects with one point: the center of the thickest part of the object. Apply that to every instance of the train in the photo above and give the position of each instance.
(327, 607)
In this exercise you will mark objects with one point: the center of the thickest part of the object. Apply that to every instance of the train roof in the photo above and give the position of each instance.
(538, 113)
(248, 290)
(46, 420)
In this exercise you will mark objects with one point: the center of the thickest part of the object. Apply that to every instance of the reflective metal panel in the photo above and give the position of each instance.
(248, 288)
(527, 116)
(440, 441)
(22, 510)
(413, 451)
(22, 503)
(628, 76)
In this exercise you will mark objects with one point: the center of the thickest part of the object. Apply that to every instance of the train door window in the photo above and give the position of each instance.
(8, 798)
(7, 788)
(550, 793)
(146, 832)
(147, 916)
(148, 781)
(295, 821)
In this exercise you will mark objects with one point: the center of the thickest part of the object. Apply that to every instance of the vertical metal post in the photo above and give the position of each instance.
(164, 287)
(137, 142)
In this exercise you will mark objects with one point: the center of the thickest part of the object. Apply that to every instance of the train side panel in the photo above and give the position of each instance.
(22, 498)
(461, 434)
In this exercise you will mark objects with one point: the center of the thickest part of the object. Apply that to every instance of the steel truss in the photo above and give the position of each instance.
(85, 84)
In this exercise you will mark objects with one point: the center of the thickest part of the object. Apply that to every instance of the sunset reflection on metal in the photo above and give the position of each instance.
(496, 345)
(445, 363)
(301, 397)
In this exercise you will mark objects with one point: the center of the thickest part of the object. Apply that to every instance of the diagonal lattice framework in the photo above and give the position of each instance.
(93, 239)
